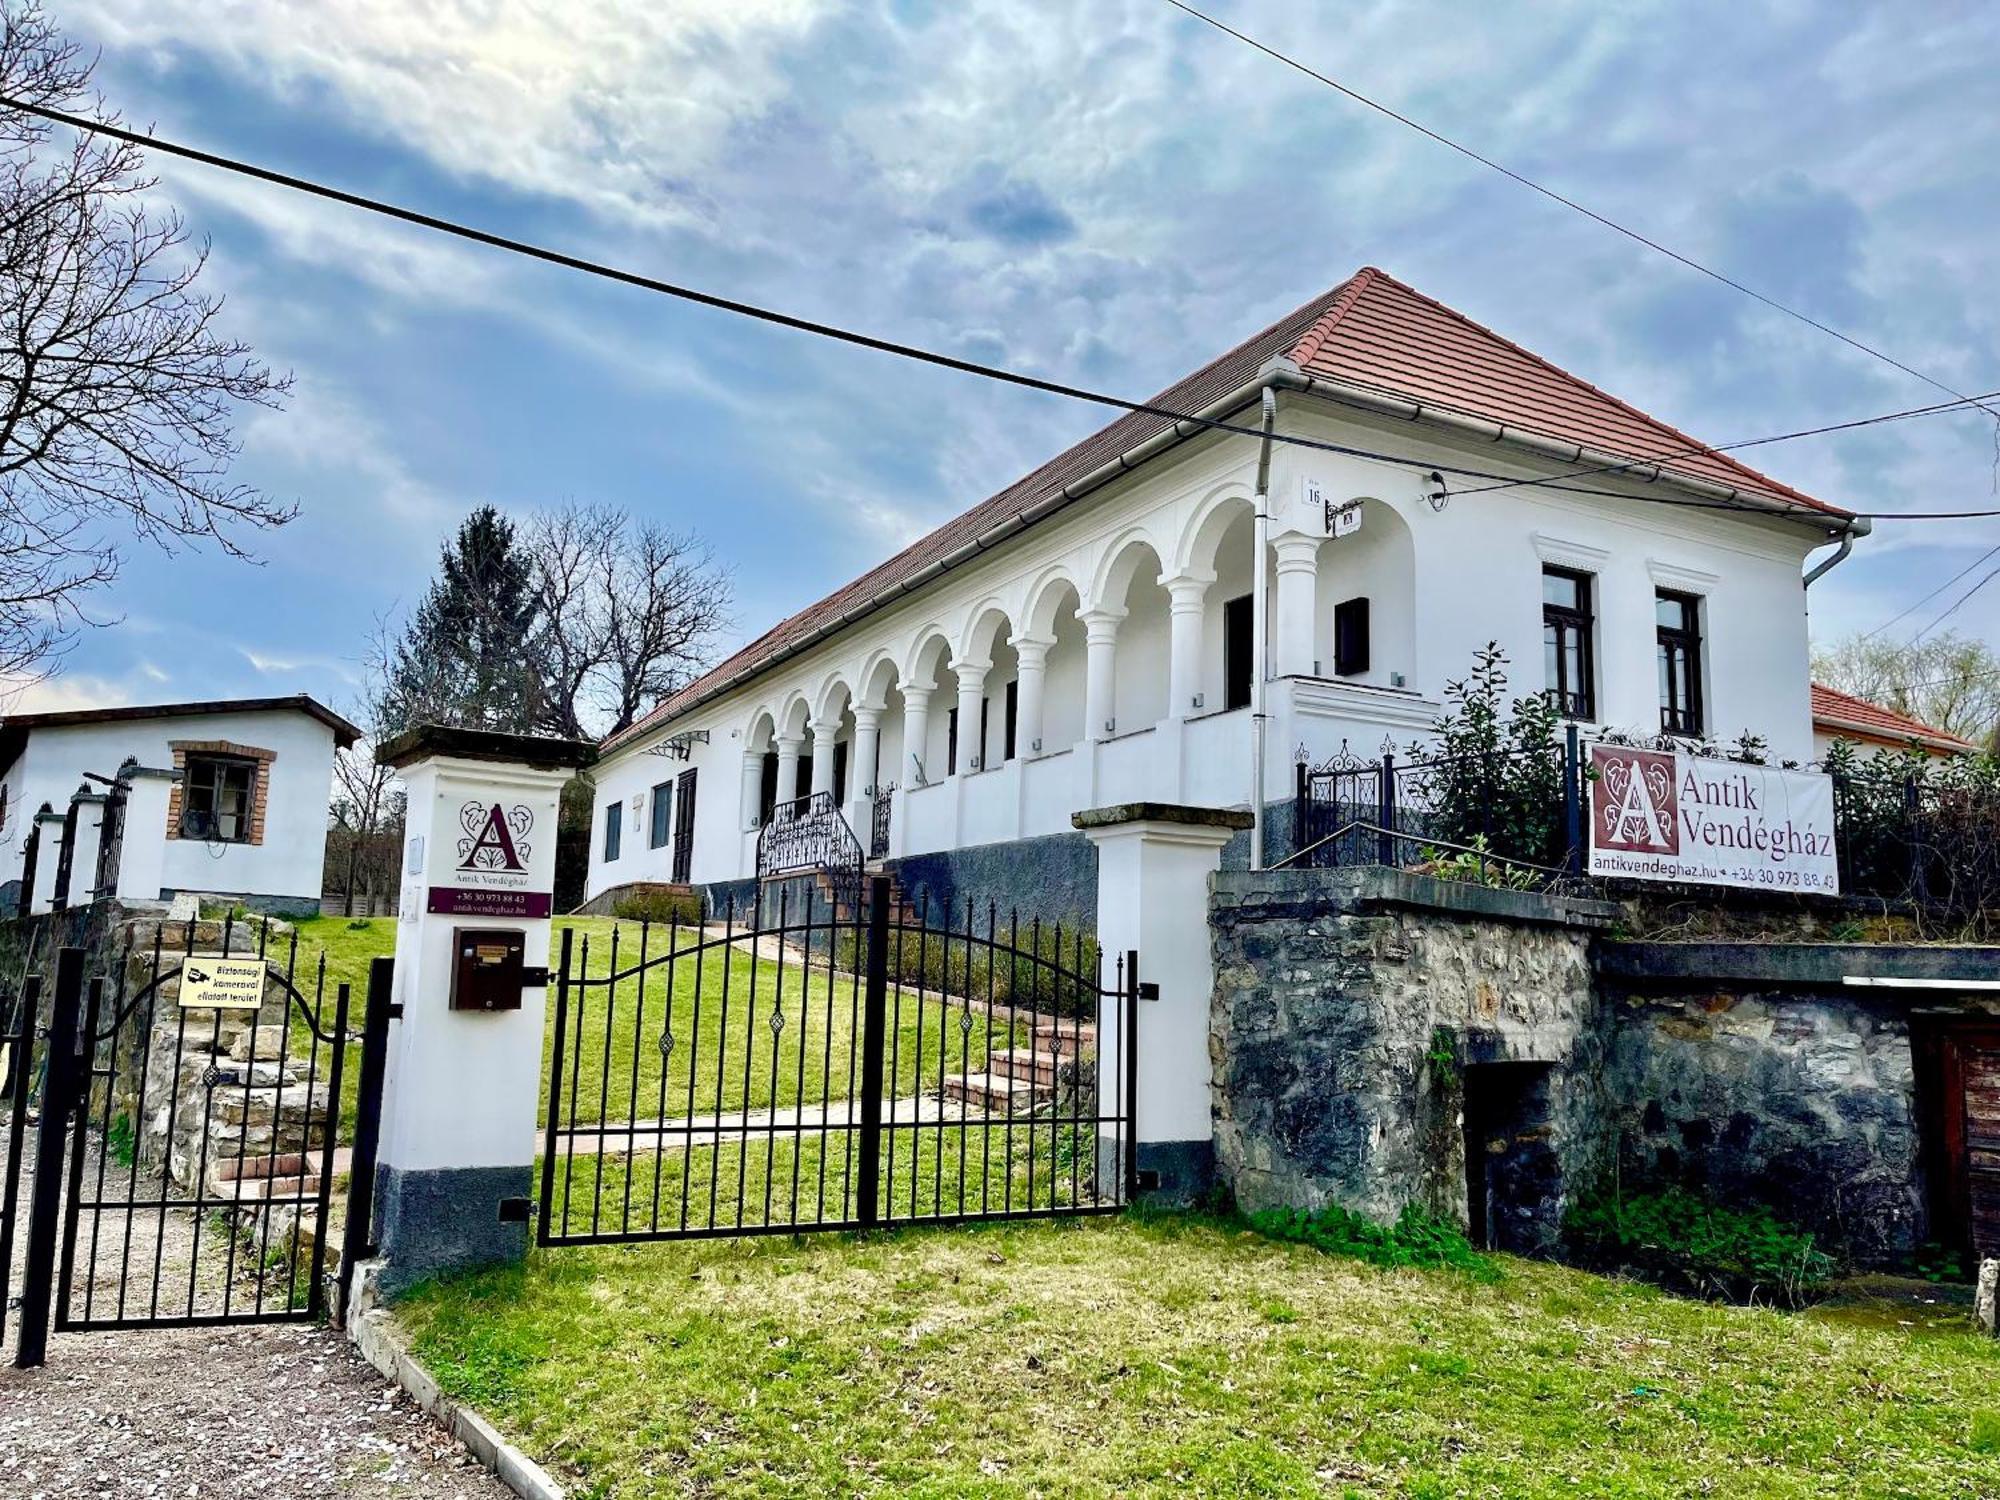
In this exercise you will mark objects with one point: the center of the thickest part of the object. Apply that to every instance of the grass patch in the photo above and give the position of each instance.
(1157, 1355)
(1415, 1239)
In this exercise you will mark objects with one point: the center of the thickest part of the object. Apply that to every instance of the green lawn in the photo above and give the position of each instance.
(1161, 1355)
(726, 1055)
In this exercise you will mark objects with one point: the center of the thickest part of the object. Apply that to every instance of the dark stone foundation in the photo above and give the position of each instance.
(438, 1223)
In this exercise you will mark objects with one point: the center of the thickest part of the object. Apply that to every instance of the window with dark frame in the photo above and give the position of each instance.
(1238, 646)
(663, 809)
(1013, 715)
(614, 829)
(1350, 637)
(951, 742)
(217, 795)
(1679, 617)
(1567, 627)
(767, 787)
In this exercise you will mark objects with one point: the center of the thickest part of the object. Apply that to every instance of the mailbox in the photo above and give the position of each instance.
(488, 969)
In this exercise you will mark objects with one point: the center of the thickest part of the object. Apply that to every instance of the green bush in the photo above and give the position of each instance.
(1686, 1243)
(1416, 1238)
(658, 904)
(1029, 968)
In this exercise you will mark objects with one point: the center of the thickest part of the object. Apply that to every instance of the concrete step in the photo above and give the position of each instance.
(256, 1189)
(993, 1093)
(1022, 1064)
(1066, 1038)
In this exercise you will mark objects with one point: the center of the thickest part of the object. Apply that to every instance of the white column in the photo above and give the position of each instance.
(1100, 668)
(89, 830)
(1298, 579)
(48, 853)
(865, 773)
(916, 735)
(971, 703)
(753, 788)
(1152, 898)
(789, 747)
(459, 1097)
(1033, 654)
(824, 732)
(1186, 593)
(142, 847)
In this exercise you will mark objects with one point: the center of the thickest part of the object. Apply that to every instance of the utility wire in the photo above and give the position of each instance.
(1912, 609)
(1570, 203)
(871, 341)
(1704, 449)
(1954, 607)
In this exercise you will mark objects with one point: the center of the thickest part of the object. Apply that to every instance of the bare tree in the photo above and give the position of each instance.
(1949, 681)
(117, 389)
(627, 612)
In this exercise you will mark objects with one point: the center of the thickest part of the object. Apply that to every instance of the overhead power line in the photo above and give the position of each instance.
(1570, 203)
(859, 339)
(1954, 607)
(1909, 610)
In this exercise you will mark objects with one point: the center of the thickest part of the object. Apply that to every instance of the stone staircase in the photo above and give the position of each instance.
(1019, 1079)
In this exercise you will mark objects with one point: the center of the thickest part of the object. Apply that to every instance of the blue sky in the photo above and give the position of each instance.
(1104, 192)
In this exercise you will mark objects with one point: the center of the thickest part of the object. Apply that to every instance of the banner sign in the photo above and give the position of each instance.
(1663, 815)
(213, 981)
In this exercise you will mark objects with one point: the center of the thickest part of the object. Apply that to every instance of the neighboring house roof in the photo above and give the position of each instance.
(1849, 717)
(15, 728)
(1371, 333)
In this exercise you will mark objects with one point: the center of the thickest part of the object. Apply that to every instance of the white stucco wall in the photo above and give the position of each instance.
(289, 861)
(1442, 582)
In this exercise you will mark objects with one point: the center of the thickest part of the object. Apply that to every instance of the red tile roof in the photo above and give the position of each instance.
(1371, 332)
(1857, 718)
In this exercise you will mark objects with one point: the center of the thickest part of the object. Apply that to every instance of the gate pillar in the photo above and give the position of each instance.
(1153, 864)
(48, 856)
(142, 856)
(463, 1076)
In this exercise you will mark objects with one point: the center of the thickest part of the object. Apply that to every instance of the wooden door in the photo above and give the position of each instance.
(1963, 1064)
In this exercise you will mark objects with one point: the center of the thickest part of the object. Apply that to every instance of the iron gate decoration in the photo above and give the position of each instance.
(881, 806)
(111, 835)
(18, 1016)
(836, 1069)
(185, 1156)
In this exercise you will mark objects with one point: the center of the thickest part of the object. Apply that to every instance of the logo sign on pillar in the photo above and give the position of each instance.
(1665, 815)
(488, 875)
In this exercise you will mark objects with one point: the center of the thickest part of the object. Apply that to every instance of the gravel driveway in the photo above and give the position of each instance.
(283, 1410)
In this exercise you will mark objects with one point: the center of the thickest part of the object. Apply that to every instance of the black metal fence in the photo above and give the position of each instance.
(1910, 830)
(835, 1069)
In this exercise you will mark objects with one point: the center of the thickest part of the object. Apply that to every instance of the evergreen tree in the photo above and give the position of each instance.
(464, 657)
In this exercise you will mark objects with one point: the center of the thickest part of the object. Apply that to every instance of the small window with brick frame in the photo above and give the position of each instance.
(218, 795)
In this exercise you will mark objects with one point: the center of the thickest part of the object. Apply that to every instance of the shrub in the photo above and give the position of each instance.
(658, 904)
(1686, 1243)
(1416, 1238)
(1034, 969)
(1477, 866)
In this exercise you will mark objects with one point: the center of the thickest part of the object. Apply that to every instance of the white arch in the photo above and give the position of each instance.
(1120, 564)
(983, 628)
(931, 651)
(795, 716)
(833, 696)
(879, 675)
(1207, 526)
(761, 730)
(1045, 600)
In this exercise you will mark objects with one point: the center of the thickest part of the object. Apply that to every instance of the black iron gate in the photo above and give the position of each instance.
(814, 1066)
(188, 1141)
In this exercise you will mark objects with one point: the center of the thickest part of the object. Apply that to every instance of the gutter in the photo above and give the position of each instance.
(1288, 375)
(1859, 526)
(1277, 372)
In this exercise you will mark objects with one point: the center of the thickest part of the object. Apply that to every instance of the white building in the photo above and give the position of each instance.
(242, 800)
(1087, 636)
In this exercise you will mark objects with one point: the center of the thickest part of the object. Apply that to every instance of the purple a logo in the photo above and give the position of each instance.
(495, 837)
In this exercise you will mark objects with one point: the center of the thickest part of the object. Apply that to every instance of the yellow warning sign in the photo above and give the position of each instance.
(213, 981)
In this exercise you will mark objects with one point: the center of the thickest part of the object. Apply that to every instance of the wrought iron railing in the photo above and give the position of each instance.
(807, 834)
(881, 806)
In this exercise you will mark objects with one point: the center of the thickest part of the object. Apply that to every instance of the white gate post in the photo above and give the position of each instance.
(142, 848)
(89, 831)
(461, 1092)
(48, 853)
(1154, 860)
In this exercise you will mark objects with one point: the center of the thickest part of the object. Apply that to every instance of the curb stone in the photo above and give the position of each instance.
(382, 1344)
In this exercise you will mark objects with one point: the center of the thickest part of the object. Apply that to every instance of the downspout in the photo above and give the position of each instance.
(1260, 631)
(1858, 526)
